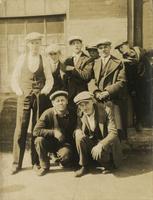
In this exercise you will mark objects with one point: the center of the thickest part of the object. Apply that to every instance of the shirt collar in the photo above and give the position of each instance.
(77, 55)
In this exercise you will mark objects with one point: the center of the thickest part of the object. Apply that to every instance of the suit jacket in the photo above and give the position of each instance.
(108, 129)
(78, 79)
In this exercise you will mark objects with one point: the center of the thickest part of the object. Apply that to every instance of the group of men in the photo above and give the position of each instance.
(77, 106)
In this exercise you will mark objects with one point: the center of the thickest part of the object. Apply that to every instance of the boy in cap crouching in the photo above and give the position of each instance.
(96, 135)
(54, 131)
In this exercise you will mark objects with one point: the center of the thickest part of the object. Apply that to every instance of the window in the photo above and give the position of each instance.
(12, 34)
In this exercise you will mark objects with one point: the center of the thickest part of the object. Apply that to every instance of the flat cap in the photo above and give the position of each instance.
(104, 42)
(120, 43)
(73, 38)
(91, 47)
(53, 48)
(58, 93)
(83, 96)
(33, 36)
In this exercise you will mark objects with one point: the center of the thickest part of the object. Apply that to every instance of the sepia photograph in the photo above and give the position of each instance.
(76, 99)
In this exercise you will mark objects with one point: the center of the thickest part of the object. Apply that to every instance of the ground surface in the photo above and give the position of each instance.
(134, 181)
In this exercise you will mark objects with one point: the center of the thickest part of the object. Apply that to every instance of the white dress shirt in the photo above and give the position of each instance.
(76, 57)
(33, 65)
(91, 121)
(105, 60)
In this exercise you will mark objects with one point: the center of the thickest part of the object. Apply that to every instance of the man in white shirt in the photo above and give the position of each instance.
(96, 135)
(30, 79)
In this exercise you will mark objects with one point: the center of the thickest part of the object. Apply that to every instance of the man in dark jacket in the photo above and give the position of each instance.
(96, 135)
(138, 72)
(54, 131)
(77, 68)
(109, 83)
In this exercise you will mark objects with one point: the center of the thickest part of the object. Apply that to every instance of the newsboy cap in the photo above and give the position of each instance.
(73, 38)
(33, 36)
(83, 96)
(104, 42)
(58, 93)
(91, 47)
(53, 48)
(120, 44)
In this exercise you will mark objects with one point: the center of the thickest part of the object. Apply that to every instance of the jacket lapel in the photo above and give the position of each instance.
(111, 66)
(97, 69)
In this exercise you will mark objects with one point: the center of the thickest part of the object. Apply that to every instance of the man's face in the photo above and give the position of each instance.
(76, 46)
(93, 53)
(87, 107)
(104, 50)
(34, 46)
(60, 103)
(54, 56)
(124, 49)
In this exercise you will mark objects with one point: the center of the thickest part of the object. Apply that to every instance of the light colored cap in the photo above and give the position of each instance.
(33, 36)
(91, 47)
(73, 38)
(58, 93)
(120, 43)
(104, 42)
(83, 96)
(53, 48)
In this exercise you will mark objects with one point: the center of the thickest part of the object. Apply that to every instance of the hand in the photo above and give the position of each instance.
(103, 96)
(69, 68)
(19, 92)
(58, 135)
(96, 151)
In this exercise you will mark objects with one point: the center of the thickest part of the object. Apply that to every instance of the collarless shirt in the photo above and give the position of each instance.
(33, 62)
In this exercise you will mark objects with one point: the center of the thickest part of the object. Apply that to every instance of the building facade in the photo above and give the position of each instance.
(57, 20)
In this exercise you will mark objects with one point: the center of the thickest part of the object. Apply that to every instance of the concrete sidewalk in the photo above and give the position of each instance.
(134, 181)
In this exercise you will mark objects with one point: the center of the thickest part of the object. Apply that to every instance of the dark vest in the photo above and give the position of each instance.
(32, 81)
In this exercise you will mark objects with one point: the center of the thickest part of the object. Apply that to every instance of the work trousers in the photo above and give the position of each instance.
(84, 145)
(50, 144)
(25, 104)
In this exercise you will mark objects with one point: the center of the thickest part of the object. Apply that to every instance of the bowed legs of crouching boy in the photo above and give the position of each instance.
(54, 133)
(96, 135)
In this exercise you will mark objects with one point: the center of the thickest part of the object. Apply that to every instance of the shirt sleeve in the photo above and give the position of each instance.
(16, 74)
(49, 78)
(41, 127)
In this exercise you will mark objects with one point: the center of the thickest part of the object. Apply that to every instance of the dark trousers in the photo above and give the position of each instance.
(52, 145)
(24, 106)
(84, 145)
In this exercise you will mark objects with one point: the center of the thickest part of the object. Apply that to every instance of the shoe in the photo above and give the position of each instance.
(15, 169)
(42, 171)
(36, 167)
(106, 171)
(81, 172)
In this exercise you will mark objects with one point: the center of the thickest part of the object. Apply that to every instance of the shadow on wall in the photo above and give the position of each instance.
(7, 121)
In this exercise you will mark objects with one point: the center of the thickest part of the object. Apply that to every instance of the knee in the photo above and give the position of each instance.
(79, 136)
(65, 155)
